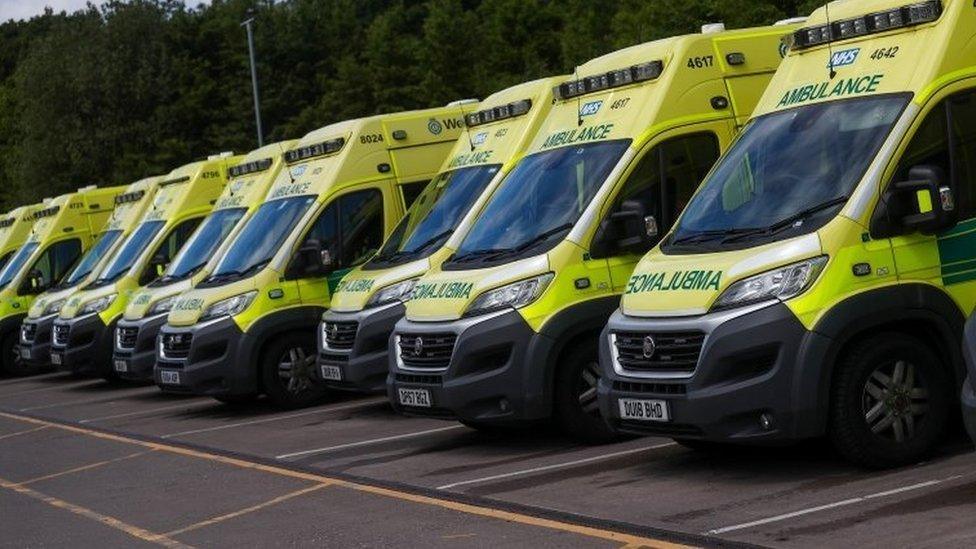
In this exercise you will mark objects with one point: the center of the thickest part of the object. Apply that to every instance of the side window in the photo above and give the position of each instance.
(668, 175)
(6, 257)
(57, 260)
(361, 222)
(169, 247)
(411, 191)
(351, 227)
(947, 139)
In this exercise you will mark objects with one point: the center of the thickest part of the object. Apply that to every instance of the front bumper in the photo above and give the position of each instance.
(34, 343)
(495, 372)
(85, 346)
(362, 364)
(753, 365)
(214, 363)
(134, 358)
(968, 389)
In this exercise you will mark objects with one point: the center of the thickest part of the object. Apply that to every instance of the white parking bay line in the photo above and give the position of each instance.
(556, 466)
(184, 405)
(324, 410)
(28, 379)
(53, 387)
(368, 442)
(834, 505)
(115, 396)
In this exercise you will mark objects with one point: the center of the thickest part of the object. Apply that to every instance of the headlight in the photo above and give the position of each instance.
(229, 307)
(392, 293)
(515, 295)
(782, 283)
(97, 305)
(53, 307)
(162, 305)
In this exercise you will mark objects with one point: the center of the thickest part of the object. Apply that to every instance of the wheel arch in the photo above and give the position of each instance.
(304, 318)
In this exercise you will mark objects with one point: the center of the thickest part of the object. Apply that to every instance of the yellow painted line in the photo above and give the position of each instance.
(111, 522)
(83, 468)
(18, 433)
(471, 509)
(246, 510)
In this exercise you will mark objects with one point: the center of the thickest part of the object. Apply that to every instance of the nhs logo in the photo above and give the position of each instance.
(590, 108)
(479, 138)
(842, 58)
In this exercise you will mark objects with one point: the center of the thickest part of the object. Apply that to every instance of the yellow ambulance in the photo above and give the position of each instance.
(818, 281)
(63, 229)
(35, 331)
(15, 227)
(82, 336)
(505, 330)
(355, 331)
(134, 354)
(249, 327)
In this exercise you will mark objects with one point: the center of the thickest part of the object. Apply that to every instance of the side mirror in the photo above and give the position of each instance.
(309, 261)
(627, 229)
(35, 283)
(924, 204)
(158, 264)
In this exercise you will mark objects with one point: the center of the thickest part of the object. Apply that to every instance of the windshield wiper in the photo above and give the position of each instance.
(229, 275)
(528, 244)
(426, 244)
(789, 221)
(707, 235)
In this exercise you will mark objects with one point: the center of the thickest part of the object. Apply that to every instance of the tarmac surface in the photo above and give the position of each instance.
(85, 462)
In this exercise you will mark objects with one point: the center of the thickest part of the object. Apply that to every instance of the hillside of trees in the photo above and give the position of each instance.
(110, 94)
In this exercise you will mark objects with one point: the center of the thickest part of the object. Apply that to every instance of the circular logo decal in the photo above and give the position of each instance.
(434, 127)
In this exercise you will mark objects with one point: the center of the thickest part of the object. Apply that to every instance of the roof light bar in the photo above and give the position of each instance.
(311, 151)
(134, 196)
(501, 112)
(4, 223)
(872, 23)
(183, 179)
(612, 79)
(254, 166)
(46, 212)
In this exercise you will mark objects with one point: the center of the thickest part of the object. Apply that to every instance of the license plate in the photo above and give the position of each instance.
(332, 373)
(644, 410)
(25, 353)
(414, 397)
(56, 359)
(121, 366)
(169, 377)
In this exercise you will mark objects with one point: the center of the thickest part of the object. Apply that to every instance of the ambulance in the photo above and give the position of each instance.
(82, 336)
(249, 327)
(818, 281)
(505, 330)
(134, 354)
(34, 348)
(355, 331)
(15, 226)
(63, 228)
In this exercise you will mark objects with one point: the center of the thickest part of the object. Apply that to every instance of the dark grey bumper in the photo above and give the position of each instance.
(754, 361)
(34, 345)
(216, 364)
(365, 364)
(968, 391)
(87, 348)
(496, 372)
(138, 358)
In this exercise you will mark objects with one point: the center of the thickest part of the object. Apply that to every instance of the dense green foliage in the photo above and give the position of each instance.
(108, 95)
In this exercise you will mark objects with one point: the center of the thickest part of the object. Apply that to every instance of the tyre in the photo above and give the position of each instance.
(11, 364)
(890, 401)
(286, 371)
(576, 407)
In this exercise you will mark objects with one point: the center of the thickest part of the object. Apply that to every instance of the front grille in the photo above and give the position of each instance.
(125, 336)
(340, 335)
(659, 429)
(28, 331)
(426, 351)
(61, 332)
(177, 345)
(660, 352)
(333, 358)
(418, 379)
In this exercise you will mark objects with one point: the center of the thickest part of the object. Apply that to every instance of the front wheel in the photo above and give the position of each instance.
(11, 364)
(890, 401)
(286, 371)
(577, 409)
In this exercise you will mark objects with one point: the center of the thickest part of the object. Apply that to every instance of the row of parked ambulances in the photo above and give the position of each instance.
(738, 236)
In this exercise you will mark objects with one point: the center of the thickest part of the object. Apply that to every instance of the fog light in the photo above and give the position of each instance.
(503, 404)
(766, 421)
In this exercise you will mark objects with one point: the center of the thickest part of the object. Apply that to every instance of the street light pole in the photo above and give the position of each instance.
(254, 77)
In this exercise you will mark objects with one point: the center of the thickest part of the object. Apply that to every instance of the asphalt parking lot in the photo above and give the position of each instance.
(85, 462)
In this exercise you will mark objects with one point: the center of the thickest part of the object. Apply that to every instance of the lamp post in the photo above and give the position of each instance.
(254, 75)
